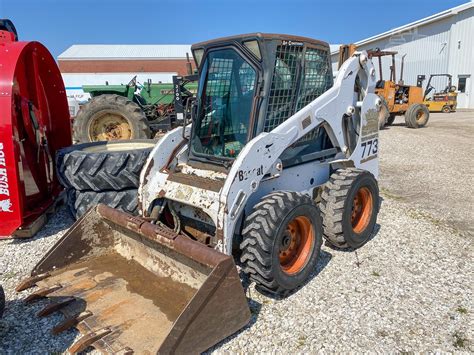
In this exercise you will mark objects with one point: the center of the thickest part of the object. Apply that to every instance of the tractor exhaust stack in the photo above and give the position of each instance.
(132, 286)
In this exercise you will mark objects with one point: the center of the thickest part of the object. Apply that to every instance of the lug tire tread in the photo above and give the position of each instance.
(258, 235)
(333, 199)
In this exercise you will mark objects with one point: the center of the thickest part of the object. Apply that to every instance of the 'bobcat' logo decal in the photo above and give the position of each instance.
(5, 206)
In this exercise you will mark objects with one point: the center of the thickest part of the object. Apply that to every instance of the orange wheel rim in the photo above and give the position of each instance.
(362, 209)
(296, 245)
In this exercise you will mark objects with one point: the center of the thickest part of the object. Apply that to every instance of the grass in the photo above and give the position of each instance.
(301, 340)
(8, 275)
(461, 310)
(386, 193)
(375, 273)
(460, 342)
(421, 215)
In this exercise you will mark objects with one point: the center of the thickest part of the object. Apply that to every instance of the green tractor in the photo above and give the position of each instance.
(133, 111)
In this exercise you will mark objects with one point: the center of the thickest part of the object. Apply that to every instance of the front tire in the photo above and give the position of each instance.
(384, 113)
(282, 240)
(417, 116)
(110, 117)
(446, 109)
(349, 207)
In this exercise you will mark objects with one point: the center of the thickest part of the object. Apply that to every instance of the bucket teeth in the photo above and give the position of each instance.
(55, 306)
(31, 281)
(70, 322)
(42, 292)
(87, 340)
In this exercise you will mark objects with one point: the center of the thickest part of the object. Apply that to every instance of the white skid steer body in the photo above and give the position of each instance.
(257, 170)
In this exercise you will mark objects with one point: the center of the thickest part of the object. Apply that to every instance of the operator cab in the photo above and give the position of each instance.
(251, 84)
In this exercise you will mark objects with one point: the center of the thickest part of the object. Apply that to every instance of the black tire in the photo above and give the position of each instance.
(100, 166)
(384, 113)
(2, 301)
(337, 203)
(446, 109)
(79, 202)
(417, 116)
(265, 237)
(138, 127)
(390, 120)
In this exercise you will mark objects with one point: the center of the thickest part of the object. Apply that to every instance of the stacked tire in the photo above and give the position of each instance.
(2, 301)
(103, 172)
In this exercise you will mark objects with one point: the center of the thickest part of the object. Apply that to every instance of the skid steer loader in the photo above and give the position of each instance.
(276, 157)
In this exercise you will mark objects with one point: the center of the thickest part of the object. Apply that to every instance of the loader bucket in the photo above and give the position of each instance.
(132, 286)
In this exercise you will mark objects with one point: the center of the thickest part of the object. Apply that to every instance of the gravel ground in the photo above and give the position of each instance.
(410, 288)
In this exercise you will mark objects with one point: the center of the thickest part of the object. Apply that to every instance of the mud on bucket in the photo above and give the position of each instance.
(131, 286)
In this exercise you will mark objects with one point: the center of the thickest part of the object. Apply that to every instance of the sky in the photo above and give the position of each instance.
(59, 24)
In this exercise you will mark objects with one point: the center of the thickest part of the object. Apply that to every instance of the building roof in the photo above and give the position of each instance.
(436, 17)
(125, 51)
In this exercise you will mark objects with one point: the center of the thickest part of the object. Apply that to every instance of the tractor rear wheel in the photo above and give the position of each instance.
(79, 202)
(100, 166)
(110, 117)
(282, 240)
(417, 116)
(349, 207)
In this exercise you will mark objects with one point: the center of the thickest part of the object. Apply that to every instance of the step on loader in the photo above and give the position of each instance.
(276, 158)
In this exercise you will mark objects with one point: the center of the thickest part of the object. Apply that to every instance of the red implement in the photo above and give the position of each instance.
(34, 124)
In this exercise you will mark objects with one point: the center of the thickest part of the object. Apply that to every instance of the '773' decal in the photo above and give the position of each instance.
(370, 147)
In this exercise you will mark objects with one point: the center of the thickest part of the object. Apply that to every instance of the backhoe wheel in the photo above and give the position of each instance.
(282, 239)
(384, 113)
(349, 207)
(446, 109)
(417, 116)
(110, 117)
(100, 166)
(390, 120)
(79, 202)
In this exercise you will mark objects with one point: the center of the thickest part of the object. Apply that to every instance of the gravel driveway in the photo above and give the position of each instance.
(410, 288)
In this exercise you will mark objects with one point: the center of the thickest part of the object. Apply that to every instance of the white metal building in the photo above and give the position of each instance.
(441, 43)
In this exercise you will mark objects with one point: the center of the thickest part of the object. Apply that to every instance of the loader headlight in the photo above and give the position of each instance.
(198, 54)
(254, 48)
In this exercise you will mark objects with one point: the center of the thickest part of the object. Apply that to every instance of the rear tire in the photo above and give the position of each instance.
(417, 116)
(99, 166)
(79, 202)
(110, 117)
(390, 120)
(2, 301)
(349, 207)
(282, 240)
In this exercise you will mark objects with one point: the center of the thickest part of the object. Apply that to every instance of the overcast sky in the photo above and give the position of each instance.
(61, 23)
